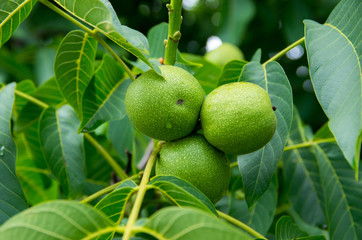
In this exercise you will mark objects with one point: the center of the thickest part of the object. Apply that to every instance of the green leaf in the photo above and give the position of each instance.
(37, 185)
(334, 55)
(232, 72)
(74, 66)
(301, 176)
(103, 99)
(156, 36)
(257, 168)
(113, 205)
(341, 193)
(207, 75)
(97, 168)
(256, 56)
(286, 229)
(182, 193)
(55, 220)
(48, 93)
(121, 133)
(12, 199)
(191, 224)
(63, 148)
(12, 13)
(260, 218)
(237, 14)
(103, 18)
(26, 86)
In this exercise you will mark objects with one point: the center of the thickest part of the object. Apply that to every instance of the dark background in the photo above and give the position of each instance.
(270, 25)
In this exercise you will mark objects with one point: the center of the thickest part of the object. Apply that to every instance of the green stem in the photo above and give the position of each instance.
(93, 33)
(31, 99)
(33, 169)
(234, 164)
(174, 34)
(118, 59)
(107, 189)
(66, 16)
(241, 225)
(308, 144)
(107, 157)
(141, 192)
(284, 51)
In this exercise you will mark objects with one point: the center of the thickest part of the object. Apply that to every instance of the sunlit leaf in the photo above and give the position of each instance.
(103, 99)
(74, 66)
(12, 13)
(192, 224)
(335, 60)
(102, 17)
(63, 148)
(257, 168)
(181, 193)
(55, 220)
(12, 199)
(113, 205)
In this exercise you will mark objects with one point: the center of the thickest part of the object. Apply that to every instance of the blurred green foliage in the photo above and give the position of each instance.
(270, 25)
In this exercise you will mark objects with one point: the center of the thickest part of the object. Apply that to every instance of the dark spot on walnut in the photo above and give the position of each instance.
(274, 108)
(180, 101)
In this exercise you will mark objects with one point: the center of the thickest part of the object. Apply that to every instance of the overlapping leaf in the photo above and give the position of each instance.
(342, 193)
(63, 148)
(102, 17)
(301, 177)
(74, 66)
(260, 218)
(121, 133)
(257, 168)
(12, 13)
(12, 199)
(113, 205)
(55, 220)
(334, 52)
(286, 229)
(182, 193)
(26, 86)
(191, 224)
(48, 93)
(103, 99)
(231, 72)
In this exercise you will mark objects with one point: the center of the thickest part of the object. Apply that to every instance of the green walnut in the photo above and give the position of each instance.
(238, 118)
(193, 159)
(164, 108)
(223, 54)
